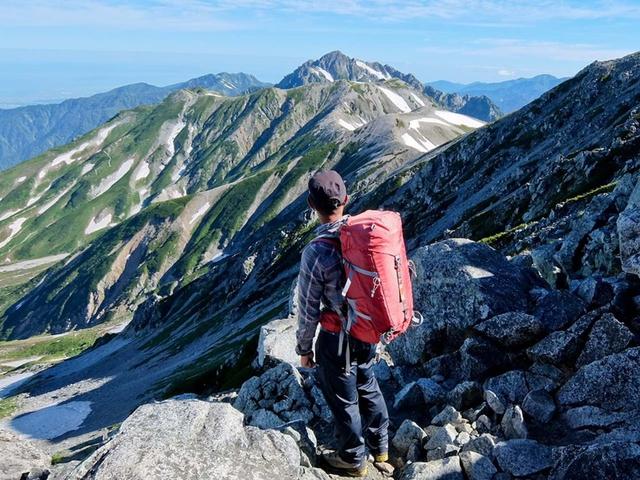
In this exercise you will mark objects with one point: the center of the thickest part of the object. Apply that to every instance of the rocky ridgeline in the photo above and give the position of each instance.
(507, 378)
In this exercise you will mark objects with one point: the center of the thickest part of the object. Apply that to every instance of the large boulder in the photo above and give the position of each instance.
(607, 336)
(459, 284)
(558, 309)
(628, 225)
(20, 456)
(616, 461)
(279, 396)
(191, 439)
(523, 457)
(513, 329)
(612, 383)
(448, 468)
(277, 343)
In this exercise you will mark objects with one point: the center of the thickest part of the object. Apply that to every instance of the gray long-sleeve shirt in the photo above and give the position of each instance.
(320, 284)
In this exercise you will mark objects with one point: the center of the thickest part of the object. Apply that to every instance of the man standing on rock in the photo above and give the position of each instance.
(345, 374)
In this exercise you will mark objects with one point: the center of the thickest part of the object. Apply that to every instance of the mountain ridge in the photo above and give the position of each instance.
(508, 95)
(27, 131)
(336, 65)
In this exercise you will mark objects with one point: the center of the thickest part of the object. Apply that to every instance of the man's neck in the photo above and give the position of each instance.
(334, 217)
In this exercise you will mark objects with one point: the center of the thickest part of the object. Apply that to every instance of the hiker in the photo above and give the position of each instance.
(345, 374)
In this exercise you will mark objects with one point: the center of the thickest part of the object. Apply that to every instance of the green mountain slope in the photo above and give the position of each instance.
(150, 200)
(29, 131)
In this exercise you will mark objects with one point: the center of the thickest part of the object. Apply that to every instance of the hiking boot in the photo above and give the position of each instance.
(341, 467)
(381, 457)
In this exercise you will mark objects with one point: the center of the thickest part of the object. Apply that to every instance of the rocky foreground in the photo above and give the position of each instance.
(507, 378)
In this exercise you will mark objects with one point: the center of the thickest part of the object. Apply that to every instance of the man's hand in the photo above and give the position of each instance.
(306, 361)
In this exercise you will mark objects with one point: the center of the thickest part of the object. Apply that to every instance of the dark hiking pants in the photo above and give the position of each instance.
(354, 397)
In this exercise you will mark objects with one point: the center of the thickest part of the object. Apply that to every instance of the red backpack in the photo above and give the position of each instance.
(378, 289)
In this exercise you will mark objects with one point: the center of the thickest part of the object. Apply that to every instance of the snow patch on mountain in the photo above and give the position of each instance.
(68, 156)
(347, 125)
(86, 168)
(53, 420)
(396, 99)
(171, 135)
(110, 180)
(7, 214)
(54, 200)
(417, 99)
(324, 73)
(201, 211)
(20, 180)
(94, 225)
(415, 124)
(142, 171)
(372, 71)
(421, 144)
(459, 119)
(14, 228)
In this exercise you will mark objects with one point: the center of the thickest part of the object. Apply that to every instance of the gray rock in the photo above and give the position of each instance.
(459, 284)
(441, 437)
(20, 456)
(595, 291)
(616, 461)
(589, 416)
(607, 336)
(628, 225)
(476, 357)
(512, 423)
(483, 424)
(408, 434)
(464, 395)
(494, 402)
(313, 474)
(279, 390)
(414, 453)
(559, 309)
(612, 383)
(539, 405)
(558, 348)
(448, 468)
(484, 445)
(275, 341)
(523, 457)
(513, 329)
(409, 396)
(432, 392)
(448, 450)
(265, 419)
(509, 387)
(462, 439)
(448, 415)
(194, 439)
(382, 370)
(472, 414)
(541, 382)
(476, 466)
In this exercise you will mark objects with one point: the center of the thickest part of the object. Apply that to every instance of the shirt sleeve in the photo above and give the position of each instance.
(309, 296)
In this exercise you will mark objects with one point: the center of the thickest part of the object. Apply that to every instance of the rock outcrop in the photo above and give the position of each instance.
(192, 438)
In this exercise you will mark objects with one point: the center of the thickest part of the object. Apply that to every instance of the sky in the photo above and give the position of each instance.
(56, 49)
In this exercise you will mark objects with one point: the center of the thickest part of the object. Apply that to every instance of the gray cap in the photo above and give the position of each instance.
(327, 190)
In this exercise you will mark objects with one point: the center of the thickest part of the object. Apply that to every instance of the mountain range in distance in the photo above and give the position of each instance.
(509, 95)
(28, 131)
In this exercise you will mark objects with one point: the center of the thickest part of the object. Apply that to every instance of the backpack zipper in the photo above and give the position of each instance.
(397, 265)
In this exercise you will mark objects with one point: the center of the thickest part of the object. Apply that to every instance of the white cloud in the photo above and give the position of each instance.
(503, 72)
(493, 48)
(233, 14)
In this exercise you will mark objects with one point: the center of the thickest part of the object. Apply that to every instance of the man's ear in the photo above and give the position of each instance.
(346, 199)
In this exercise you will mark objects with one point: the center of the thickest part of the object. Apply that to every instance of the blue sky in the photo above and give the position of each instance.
(53, 49)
